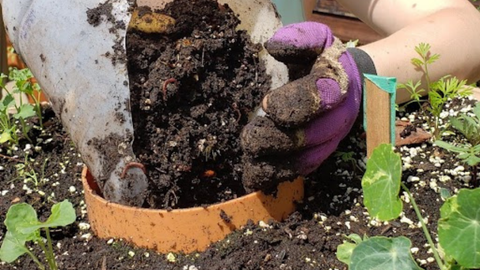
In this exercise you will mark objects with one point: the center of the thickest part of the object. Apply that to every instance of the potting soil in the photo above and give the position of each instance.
(192, 91)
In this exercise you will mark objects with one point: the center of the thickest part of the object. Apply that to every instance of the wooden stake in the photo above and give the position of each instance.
(378, 110)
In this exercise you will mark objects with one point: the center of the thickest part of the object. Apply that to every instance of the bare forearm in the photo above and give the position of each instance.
(452, 31)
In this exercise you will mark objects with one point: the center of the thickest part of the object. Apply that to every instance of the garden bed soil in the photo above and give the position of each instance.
(306, 240)
(192, 91)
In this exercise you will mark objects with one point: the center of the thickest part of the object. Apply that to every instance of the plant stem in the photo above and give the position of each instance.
(38, 108)
(424, 228)
(47, 255)
(35, 259)
(10, 158)
(50, 254)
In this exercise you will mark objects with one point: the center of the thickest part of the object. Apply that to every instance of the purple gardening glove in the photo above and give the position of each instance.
(308, 117)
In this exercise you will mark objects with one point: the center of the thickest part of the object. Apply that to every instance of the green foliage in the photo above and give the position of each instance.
(459, 225)
(28, 173)
(381, 183)
(383, 253)
(23, 226)
(438, 92)
(345, 250)
(469, 126)
(9, 123)
(459, 228)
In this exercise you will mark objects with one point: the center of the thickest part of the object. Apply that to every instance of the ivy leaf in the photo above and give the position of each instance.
(459, 228)
(381, 183)
(383, 253)
(12, 248)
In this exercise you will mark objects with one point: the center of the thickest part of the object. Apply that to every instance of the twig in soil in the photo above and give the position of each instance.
(132, 164)
(10, 158)
(235, 108)
(386, 229)
(104, 263)
(165, 84)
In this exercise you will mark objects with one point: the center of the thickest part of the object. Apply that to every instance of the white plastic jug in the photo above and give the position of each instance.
(86, 79)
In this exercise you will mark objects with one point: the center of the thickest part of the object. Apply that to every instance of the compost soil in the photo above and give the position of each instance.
(193, 89)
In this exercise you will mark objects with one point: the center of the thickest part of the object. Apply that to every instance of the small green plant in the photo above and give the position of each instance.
(458, 227)
(469, 126)
(23, 110)
(26, 171)
(23, 226)
(438, 92)
(348, 157)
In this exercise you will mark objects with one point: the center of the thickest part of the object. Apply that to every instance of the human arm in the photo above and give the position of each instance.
(450, 27)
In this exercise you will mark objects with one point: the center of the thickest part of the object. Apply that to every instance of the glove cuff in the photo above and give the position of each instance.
(363, 60)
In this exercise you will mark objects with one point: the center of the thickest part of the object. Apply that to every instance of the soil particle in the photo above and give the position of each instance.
(225, 217)
(103, 13)
(95, 16)
(192, 92)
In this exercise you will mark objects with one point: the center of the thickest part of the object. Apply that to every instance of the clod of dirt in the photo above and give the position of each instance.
(192, 91)
(265, 174)
(262, 137)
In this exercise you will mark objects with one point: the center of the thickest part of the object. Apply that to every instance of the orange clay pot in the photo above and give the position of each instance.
(185, 230)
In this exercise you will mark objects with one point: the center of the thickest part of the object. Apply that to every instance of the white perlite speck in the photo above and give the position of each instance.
(84, 226)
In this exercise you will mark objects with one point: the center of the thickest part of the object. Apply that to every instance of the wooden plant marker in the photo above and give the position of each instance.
(379, 110)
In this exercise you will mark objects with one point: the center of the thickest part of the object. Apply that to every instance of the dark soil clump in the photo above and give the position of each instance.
(192, 91)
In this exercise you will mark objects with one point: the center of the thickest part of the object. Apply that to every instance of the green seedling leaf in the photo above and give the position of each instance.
(25, 111)
(63, 214)
(417, 62)
(6, 136)
(345, 250)
(476, 110)
(20, 220)
(459, 228)
(381, 184)
(12, 248)
(6, 103)
(450, 147)
(433, 58)
(380, 253)
(445, 193)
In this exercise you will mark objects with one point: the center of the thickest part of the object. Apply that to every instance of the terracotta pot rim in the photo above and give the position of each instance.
(103, 200)
(189, 229)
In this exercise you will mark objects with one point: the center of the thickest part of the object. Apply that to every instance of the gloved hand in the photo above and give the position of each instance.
(308, 117)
